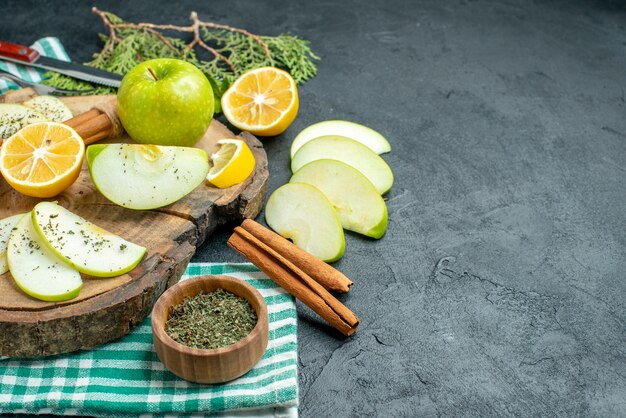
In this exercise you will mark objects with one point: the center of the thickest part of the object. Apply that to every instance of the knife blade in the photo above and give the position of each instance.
(24, 55)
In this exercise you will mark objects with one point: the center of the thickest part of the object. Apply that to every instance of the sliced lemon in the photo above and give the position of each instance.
(263, 101)
(42, 159)
(231, 164)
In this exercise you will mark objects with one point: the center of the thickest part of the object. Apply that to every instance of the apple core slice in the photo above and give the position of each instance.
(83, 245)
(36, 270)
(351, 152)
(301, 212)
(6, 227)
(366, 136)
(359, 206)
(146, 176)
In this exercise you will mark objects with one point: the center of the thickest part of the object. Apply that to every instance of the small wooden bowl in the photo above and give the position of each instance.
(209, 365)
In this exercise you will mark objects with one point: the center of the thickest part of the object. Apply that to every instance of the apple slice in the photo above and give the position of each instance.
(14, 117)
(366, 136)
(52, 108)
(6, 227)
(359, 206)
(36, 270)
(351, 152)
(146, 176)
(83, 245)
(301, 212)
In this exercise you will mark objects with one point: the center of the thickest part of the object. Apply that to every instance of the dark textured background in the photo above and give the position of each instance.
(500, 286)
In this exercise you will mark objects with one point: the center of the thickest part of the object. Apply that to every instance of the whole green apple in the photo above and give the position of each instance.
(165, 101)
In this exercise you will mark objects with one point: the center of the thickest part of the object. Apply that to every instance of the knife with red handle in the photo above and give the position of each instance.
(24, 55)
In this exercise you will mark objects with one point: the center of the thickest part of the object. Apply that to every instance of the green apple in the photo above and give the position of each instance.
(301, 212)
(52, 108)
(366, 136)
(146, 176)
(165, 101)
(351, 152)
(357, 202)
(6, 227)
(83, 245)
(14, 117)
(37, 270)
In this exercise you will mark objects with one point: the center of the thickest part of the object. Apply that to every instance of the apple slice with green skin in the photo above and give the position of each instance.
(351, 152)
(146, 176)
(366, 136)
(6, 227)
(37, 270)
(83, 245)
(359, 206)
(301, 212)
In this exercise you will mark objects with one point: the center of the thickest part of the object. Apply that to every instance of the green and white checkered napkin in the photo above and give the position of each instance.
(49, 47)
(126, 378)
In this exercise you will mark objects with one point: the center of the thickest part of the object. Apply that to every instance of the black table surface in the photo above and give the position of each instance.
(499, 288)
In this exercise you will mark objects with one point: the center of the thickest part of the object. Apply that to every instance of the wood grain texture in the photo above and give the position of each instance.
(210, 365)
(18, 96)
(108, 308)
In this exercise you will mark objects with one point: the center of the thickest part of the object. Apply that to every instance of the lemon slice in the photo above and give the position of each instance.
(231, 164)
(263, 101)
(42, 159)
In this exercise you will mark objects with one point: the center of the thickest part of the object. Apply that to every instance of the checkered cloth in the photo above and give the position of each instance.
(49, 47)
(126, 378)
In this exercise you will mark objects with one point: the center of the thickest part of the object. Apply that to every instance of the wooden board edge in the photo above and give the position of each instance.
(94, 321)
(247, 204)
(112, 314)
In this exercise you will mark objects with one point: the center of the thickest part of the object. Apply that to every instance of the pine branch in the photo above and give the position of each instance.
(233, 51)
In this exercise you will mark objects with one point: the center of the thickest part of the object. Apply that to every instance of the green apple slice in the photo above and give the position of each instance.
(83, 245)
(52, 108)
(366, 136)
(36, 270)
(146, 176)
(359, 206)
(301, 212)
(14, 117)
(351, 152)
(6, 227)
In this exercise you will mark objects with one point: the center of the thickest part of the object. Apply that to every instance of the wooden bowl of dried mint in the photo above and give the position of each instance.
(210, 329)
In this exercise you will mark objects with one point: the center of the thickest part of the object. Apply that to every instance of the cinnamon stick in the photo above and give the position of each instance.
(290, 277)
(329, 277)
(82, 118)
(92, 126)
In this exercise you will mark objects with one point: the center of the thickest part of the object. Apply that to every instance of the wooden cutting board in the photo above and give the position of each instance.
(107, 309)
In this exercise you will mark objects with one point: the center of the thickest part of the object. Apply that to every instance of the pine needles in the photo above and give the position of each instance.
(232, 51)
